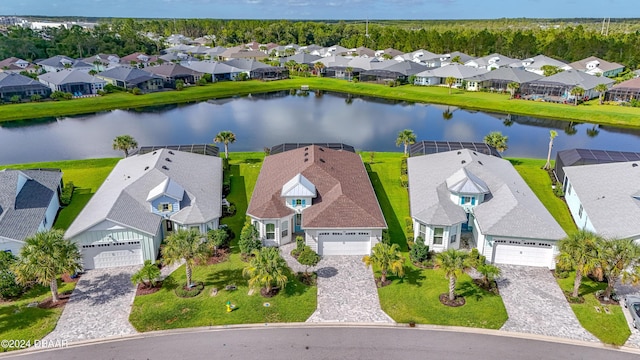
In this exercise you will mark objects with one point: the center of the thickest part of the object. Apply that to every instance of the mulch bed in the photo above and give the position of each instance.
(381, 284)
(68, 279)
(422, 266)
(493, 286)
(144, 290)
(308, 280)
(221, 256)
(274, 291)
(606, 302)
(458, 301)
(49, 304)
(572, 300)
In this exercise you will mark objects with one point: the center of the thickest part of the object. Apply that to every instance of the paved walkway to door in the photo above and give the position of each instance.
(99, 306)
(536, 305)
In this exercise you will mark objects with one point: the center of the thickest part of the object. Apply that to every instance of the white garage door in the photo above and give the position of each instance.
(343, 243)
(523, 253)
(104, 255)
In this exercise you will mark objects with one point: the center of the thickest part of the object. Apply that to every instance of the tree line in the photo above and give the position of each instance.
(511, 37)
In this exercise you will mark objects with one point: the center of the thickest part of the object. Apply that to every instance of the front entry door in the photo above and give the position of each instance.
(297, 223)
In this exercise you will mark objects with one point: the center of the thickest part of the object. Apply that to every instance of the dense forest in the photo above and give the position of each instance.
(569, 40)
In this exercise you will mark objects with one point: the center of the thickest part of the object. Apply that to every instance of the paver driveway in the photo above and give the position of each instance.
(624, 290)
(99, 306)
(536, 305)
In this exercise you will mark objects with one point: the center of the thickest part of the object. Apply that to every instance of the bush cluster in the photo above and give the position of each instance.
(9, 287)
(194, 291)
(419, 253)
(67, 193)
(249, 239)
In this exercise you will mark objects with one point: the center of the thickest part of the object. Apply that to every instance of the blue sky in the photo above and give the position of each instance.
(324, 9)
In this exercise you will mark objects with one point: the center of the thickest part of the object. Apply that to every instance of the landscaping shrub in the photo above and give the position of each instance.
(207, 78)
(386, 239)
(404, 181)
(225, 164)
(557, 191)
(561, 274)
(218, 238)
(36, 97)
(249, 239)
(403, 166)
(59, 95)
(300, 246)
(67, 193)
(182, 292)
(179, 85)
(226, 187)
(228, 211)
(419, 252)
(475, 259)
(308, 258)
(136, 91)
(15, 99)
(9, 287)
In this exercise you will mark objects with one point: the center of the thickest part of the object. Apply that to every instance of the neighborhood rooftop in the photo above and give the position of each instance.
(425, 147)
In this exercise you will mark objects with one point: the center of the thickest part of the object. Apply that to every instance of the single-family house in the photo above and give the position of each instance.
(491, 62)
(605, 198)
(72, 81)
(145, 198)
(301, 58)
(423, 57)
(625, 91)
(13, 64)
(362, 51)
(29, 202)
(462, 198)
(391, 70)
(130, 77)
(320, 193)
(218, 70)
(247, 65)
(557, 87)
(177, 58)
(138, 59)
(239, 52)
(102, 62)
(536, 64)
(455, 57)
(596, 66)
(388, 53)
(171, 72)
(60, 62)
(498, 79)
(438, 76)
(12, 84)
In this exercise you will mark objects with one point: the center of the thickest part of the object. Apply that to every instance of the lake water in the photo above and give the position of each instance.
(269, 119)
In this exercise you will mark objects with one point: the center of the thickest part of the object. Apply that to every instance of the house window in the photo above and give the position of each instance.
(285, 228)
(580, 212)
(271, 231)
(169, 225)
(438, 233)
(569, 189)
(422, 231)
(468, 200)
(453, 238)
(298, 202)
(164, 207)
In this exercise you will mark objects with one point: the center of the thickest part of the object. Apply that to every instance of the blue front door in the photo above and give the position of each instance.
(465, 225)
(297, 223)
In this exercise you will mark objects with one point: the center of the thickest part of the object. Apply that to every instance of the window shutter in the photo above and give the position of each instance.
(293, 202)
(303, 202)
(159, 207)
(473, 200)
(170, 207)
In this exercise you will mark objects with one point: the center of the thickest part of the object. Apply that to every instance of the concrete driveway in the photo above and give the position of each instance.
(536, 305)
(624, 290)
(99, 306)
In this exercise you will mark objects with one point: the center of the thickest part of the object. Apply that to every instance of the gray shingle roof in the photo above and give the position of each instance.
(606, 192)
(122, 198)
(509, 74)
(603, 64)
(21, 215)
(246, 64)
(12, 79)
(454, 70)
(128, 74)
(511, 208)
(69, 76)
(212, 67)
(577, 78)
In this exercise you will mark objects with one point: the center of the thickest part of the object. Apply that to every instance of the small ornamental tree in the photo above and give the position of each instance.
(308, 258)
(216, 239)
(179, 85)
(9, 287)
(266, 270)
(147, 275)
(419, 252)
(387, 258)
(249, 239)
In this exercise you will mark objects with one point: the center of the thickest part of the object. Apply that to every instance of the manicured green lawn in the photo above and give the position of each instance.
(589, 112)
(17, 321)
(86, 175)
(609, 328)
(540, 182)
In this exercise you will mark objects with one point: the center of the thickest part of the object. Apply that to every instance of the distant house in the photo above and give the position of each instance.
(389, 53)
(60, 62)
(478, 200)
(171, 72)
(605, 198)
(29, 202)
(301, 58)
(557, 87)
(423, 57)
(138, 59)
(455, 57)
(13, 64)
(499, 79)
(129, 78)
(391, 70)
(322, 194)
(144, 199)
(536, 63)
(491, 62)
(575, 157)
(247, 65)
(335, 50)
(72, 81)
(102, 62)
(596, 66)
(438, 76)
(12, 84)
(219, 71)
(362, 52)
(240, 52)
(624, 91)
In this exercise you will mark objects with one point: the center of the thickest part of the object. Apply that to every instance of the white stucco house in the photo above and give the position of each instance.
(29, 203)
(144, 198)
(605, 198)
(322, 194)
(463, 192)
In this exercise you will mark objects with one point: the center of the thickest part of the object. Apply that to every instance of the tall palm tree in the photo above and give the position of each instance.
(619, 261)
(576, 92)
(225, 137)
(187, 245)
(406, 137)
(124, 143)
(601, 89)
(593, 132)
(387, 258)
(447, 114)
(513, 87)
(497, 140)
(453, 262)
(450, 81)
(579, 251)
(318, 66)
(44, 257)
(552, 135)
(349, 71)
(570, 129)
(266, 269)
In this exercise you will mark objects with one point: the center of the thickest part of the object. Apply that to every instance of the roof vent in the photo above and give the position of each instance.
(459, 152)
(146, 168)
(171, 152)
(306, 154)
(480, 162)
(307, 148)
(321, 149)
(154, 152)
(634, 165)
(305, 159)
(322, 160)
(164, 167)
(474, 153)
(463, 162)
(169, 160)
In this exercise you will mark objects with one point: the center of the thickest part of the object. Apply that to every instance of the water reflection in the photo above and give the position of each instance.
(263, 120)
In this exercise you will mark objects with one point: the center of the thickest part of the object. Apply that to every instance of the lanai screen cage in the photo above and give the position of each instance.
(426, 147)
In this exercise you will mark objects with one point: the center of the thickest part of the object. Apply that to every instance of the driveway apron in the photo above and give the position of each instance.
(536, 305)
(624, 290)
(99, 306)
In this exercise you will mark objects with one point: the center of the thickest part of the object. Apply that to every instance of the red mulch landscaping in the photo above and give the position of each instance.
(308, 279)
(68, 279)
(380, 284)
(221, 256)
(274, 291)
(458, 301)
(49, 304)
(493, 287)
(606, 302)
(144, 290)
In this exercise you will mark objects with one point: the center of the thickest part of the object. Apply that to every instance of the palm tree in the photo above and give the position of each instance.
(187, 245)
(318, 66)
(619, 260)
(579, 251)
(450, 81)
(291, 65)
(447, 114)
(552, 135)
(576, 92)
(349, 71)
(497, 140)
(406, 137)
(304, 68)
(489, 273)
(570, 129)
(601, 89)
(513, 87)
(225, 137)
(593, 132)
(453, 262)
(147, 275)
(124, 143)
(44, 257)
(266, 269)
(387, 258)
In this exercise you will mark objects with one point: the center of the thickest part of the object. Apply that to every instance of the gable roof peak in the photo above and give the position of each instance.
(299, 186)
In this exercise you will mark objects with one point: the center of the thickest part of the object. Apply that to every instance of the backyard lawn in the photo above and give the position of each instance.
(609, 328)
